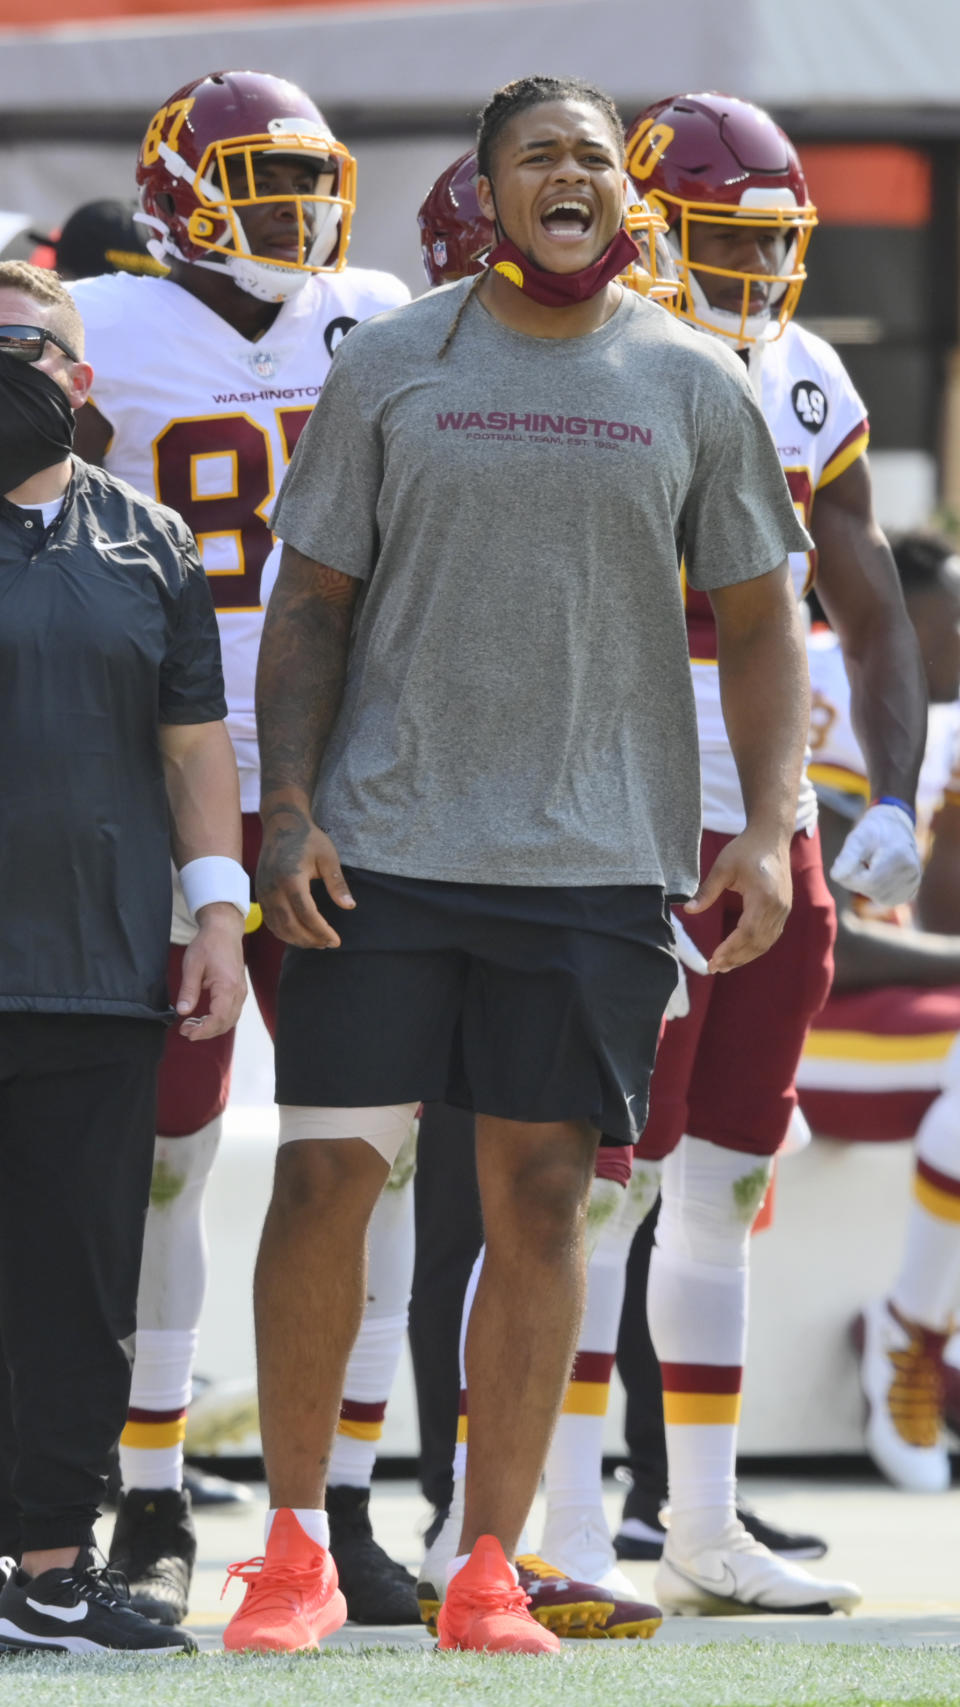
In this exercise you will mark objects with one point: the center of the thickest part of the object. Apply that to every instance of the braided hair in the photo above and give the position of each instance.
(504, 104)
(526, 92)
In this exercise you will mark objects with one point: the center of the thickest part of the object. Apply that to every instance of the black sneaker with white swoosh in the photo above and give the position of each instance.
(83, 1610)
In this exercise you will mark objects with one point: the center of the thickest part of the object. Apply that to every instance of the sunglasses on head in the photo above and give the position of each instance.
(25, 343)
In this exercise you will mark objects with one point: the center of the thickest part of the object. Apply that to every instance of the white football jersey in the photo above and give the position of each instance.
(819, 425)
(206, 421)
(837, 766)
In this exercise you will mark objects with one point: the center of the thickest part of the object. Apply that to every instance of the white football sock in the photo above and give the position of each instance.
(573, 1471)
(377, 1348)
(697, 1311)
(169, 1302)
(460, 1450)
(462, 1559)
(313, 1523)
(927, 1288)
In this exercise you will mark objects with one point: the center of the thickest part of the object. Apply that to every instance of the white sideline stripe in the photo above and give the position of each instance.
(877, 1076)
(74, 1644)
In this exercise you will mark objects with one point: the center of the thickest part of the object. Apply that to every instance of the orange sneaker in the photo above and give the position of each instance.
(486, 1609)
(292, 1599)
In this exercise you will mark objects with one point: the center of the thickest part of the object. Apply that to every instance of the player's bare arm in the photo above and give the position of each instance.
(300, 679)
(94, 432)
(200, 772)
(858, 586)
(766, 706)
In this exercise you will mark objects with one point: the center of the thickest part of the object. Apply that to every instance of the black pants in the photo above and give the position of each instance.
(77, 1126)
(449, 1235)
(639, 1371)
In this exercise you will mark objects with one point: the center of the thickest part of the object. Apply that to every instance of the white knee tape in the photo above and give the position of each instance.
(384, 1129)
(710, 1198)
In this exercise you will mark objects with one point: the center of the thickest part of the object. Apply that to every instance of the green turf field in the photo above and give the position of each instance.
(728, 1674)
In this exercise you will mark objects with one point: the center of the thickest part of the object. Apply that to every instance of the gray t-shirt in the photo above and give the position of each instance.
(518, 706)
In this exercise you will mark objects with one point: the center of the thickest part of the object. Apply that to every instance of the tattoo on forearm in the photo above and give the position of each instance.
(283, 846)
(301, 671)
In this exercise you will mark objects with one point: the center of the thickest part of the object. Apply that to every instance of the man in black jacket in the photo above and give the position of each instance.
(114, 756)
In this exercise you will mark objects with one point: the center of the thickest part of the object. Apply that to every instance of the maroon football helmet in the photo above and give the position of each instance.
(456, 236)
(196, 172)
(711, 159)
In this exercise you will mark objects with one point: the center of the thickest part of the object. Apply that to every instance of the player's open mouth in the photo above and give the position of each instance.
(569, 219)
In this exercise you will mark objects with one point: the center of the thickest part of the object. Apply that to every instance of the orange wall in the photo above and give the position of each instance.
(35, 14)
(875, 183)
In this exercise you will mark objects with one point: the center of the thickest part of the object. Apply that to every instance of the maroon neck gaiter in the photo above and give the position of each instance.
(561, 290)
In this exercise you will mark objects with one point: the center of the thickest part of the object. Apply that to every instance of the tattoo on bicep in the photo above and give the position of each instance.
(334, 588)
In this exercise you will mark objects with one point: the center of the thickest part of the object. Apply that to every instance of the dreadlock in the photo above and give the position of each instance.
(455, 323)
(504, 104)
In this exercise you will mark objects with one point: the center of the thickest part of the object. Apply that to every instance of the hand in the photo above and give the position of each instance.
(295, 851)
(880, 858)
(758, 870)
(213, 963)
(688, 955)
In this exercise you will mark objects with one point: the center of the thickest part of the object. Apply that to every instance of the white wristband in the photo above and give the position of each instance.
(215, 878)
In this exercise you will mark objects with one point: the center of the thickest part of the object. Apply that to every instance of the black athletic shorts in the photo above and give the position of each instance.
(528, 1003)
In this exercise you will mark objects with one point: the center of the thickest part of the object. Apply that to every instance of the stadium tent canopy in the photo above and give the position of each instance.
(435, 55)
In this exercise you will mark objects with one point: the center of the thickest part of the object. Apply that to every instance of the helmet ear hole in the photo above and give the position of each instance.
(165, 203)
(200, 227)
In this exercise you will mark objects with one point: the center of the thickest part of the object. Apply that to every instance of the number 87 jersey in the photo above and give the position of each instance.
(206, 421)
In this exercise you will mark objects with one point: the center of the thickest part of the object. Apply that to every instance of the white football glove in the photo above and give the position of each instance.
(880, 858)
(688, 954)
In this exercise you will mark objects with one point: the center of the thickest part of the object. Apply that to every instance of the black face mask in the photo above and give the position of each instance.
(36, 422)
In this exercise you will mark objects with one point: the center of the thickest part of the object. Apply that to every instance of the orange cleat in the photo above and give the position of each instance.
(486, 1610)
(292, 1599)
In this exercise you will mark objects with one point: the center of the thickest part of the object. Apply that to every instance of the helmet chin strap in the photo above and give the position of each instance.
(734, 328)
(719, 323)
(270, 283)
(259, 278)
(725, 324)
